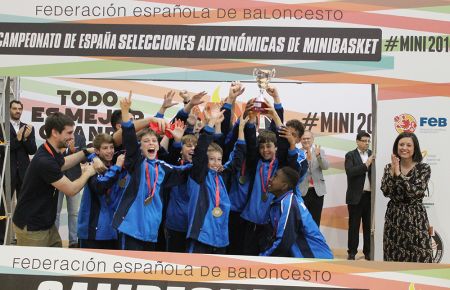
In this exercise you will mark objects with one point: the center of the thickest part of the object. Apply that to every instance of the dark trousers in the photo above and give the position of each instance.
(161, 244)
(255, 238)
(236, 231)
(16, 185)
(198, 247)
(129, 243)
(314, 204)
(99, 244)
(356, 213)
(176, 241)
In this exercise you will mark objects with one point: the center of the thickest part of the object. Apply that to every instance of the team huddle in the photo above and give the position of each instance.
(194, 186)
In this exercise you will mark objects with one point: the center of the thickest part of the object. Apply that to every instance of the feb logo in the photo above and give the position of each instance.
(405, 123)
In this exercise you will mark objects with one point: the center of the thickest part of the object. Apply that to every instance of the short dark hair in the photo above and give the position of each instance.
(57, 121)
(362, 134)
(292, 177)
(146, 131)
(267, 136)
(15, 102)
(116, 117)
(417, 155)
(297, 125)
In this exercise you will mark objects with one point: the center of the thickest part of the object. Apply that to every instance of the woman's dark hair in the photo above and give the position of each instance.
(417, 156)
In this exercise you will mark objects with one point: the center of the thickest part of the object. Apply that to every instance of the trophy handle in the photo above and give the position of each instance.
(272, 73)
(255, 72)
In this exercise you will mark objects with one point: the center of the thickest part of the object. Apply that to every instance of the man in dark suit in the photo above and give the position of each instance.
(22, 144)
(358, 169)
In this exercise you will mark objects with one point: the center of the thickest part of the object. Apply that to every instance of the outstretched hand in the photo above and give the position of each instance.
(168, 100)
(286, 133)
(178, 130)
(236, 89)
(125, 105)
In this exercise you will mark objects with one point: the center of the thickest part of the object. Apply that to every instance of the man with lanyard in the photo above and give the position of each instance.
(35, 214)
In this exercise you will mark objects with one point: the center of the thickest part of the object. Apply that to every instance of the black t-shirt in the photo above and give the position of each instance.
(37, 206)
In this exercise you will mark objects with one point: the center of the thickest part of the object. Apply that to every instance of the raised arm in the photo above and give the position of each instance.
(273, 92)
(101, 183)
(137, 124)
(271, 112)
(167, 103)
(240, 148)
(200, 158)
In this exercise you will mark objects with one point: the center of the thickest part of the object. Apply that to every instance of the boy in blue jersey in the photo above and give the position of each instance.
(139, 213)
(292, 232)
(240, 183)
(100, 197)
(298, 129)
(177, 209)
(275, 150)
(209, 204)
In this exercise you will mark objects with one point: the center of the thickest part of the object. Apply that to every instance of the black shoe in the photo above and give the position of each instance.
(350, 257)
(367, 257)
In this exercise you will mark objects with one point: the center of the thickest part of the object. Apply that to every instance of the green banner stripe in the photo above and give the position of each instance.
(438, 9)
(435, 273)
(83, 67)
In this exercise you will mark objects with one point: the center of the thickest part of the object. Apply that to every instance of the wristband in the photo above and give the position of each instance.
(86, 153)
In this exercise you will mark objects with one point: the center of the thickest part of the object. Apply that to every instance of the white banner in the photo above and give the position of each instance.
(428, 118)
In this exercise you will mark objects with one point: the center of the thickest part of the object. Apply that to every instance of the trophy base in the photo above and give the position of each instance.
(259, 106)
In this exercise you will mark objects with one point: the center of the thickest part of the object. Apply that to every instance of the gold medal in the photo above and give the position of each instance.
(217, 212)
(148, 200)
(242, 179)
(122, 182)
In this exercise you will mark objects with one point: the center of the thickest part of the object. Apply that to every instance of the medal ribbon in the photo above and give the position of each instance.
(264, 187)
(243, 168)
(217, 191)
(151, 190)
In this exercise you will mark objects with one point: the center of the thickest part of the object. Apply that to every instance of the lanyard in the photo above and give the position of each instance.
(53, 155)
(217, 190)
(151, 190)
(48, 149)
(264, 187)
